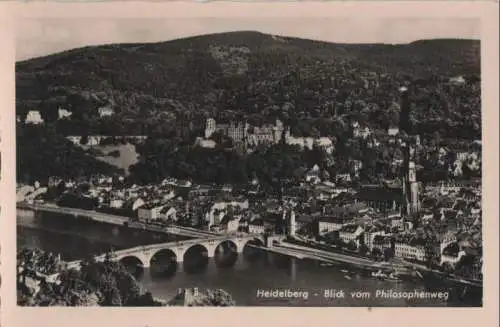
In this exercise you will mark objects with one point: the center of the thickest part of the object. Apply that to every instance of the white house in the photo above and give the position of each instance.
(351, 233)
(343, 177)
(33, 117)
(231, 224)
(383, 238)
(393, 131)
(457, 80)
(409, 249)
(168, 195)
(302, 142)
(330, 224)
(168, 213)
(324, 143)
(139, 202)
(312, 175)
(106, 112)
(205, 143)
(256, 228)
(365, 133)
(149, 212)
(451, 254)
(116, 203)
(63, 113)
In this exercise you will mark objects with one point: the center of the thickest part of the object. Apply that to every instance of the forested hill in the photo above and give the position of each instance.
(251, 74)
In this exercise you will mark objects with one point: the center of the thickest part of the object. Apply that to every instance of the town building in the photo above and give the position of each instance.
(301, 142)
(204, 143)
(381, 197)
(242, 132)
(218, 210)
(230, 223)
(256, 227)
(410, 248)
(351, 233)
(451, 254)
(393, 131)
(327, 224)
(149, 212)
(378, 240)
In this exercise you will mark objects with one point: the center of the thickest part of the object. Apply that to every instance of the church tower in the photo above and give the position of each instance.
(293, 224)
(210, 127)
(413, 188)
(410, 185)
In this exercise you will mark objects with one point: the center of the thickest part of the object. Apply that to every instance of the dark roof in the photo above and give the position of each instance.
(380, 193)
(257, 222)
(412, 241)
(349, 228)
(166, 209)
(304, 218)
(452, 249)
(334, 219)
(381, 239)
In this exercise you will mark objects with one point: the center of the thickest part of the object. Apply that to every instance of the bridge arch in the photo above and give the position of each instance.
(131, 259)
(133, 264)
(229, 244)
(251, 253)
(196, 257)
(207, 250)
(163, 262)
(167, 253)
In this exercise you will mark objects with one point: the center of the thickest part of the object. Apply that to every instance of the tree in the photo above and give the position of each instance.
(376, 253)
(84, 140)
(388, 254)
(447, 268)
(363, 249)
(352, 246)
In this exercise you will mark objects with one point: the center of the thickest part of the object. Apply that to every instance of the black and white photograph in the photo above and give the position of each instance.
(249, 162)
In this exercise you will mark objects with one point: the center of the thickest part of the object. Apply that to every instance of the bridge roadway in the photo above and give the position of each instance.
(117, 220)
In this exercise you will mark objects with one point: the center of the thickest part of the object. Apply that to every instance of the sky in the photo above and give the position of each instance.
(37, 37)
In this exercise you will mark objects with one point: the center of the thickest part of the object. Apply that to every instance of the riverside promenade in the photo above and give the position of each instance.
(115, 220)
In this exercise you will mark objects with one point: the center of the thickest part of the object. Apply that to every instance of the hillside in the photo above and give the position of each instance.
(233, 74)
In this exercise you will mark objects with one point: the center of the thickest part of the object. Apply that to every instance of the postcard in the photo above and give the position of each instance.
(249, 156)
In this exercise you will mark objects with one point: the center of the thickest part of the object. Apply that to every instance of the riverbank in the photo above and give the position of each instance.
(294, 251)
(105, 218)
(402, 267)
(258, 270)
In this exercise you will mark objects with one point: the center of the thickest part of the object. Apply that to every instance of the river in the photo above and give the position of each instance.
(247, 280)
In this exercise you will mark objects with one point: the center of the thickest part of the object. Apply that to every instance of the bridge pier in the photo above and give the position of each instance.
(212, 266)
(179, 267)
(240, 262)
(293, 269)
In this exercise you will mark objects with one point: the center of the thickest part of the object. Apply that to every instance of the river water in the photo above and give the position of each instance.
(247, 280)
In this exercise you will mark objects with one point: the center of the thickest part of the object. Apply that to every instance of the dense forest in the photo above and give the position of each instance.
(250, 75)
(167, 90)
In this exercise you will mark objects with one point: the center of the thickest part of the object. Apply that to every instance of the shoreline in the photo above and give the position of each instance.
(285, 248)
(115, 220)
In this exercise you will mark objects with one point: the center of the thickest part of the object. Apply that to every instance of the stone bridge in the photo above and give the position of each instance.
(144, 254)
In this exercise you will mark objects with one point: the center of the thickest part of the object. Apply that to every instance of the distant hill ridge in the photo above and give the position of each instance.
(205, 71)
